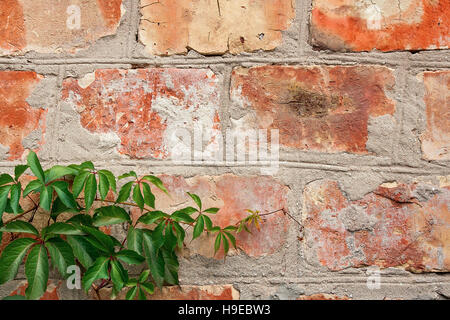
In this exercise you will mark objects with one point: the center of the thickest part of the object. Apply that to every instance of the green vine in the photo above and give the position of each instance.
(151, 241)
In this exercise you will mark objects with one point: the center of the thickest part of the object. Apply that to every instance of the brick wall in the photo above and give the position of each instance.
(358, 91)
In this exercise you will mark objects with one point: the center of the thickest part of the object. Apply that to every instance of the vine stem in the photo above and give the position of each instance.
(21, 215)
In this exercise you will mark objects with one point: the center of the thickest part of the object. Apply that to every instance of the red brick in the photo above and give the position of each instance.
(233, 195)
(18, 119)
(352, 25)
(397, 225)
(52, 292)
(322, 296)
(213, 292)
(143, 106)
(316, 108)
(213, 27)
(435, 140)
(35, 25)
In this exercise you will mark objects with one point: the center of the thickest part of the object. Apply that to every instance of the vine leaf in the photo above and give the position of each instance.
(36, 271)
(12, 257)
(61, 255)
(20, 226)
(35, 166)
(99, 270)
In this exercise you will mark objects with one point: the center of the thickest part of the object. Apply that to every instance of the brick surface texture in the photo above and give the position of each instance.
(358, 92)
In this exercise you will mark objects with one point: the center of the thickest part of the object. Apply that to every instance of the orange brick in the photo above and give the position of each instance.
(36, 25)
(397, 225)
(213, 27)
(436, 139)
(18, 119)
(316, 108)
(351, 25)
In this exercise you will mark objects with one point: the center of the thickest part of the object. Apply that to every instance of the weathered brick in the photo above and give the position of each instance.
(353, 25)
(18, 119)
(37, 25)
(436, 139)
(317, 108)
(213, 27)
(212, 292)
(144, 107)
(397, 225)
(52, 292)
(233, 195)
(322, 296)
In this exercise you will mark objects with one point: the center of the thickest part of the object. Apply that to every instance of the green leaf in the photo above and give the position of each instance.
(61, 255)
(103, 185)
(58, 207)
(57, 172)
(4, 191)
(105, 216)
(87, 165)
(19, 170)
(208, 222)
(181, 216)
(226, 244)
(36, 270)
(119, 275)
(132, 283)
(62, 189)
(158, 236)
(214, 229)
(199, 227)
(180, 234)
(124, 192)
(127, 175)
(99, 270)
(83, 250)
(64, 228)
(137, 197)
(78, 183)
(211, 210)
(131, 294)
(130, 257)
(154, 261)
(134, 240)
(16, 190)
(232, 238)
(217, 243)
(188, 210)
(12, 257)
(5, 178)
(81, 219)
(151, 217)
(196, 199)
(111, 179)
(90, 191)
(230, 228)
(149, 197)
(149, 287)
(157, 182)
(32, 186)
(100, 240)
(170, 240)
(20, 227)
(144, 276)
(170, 266)
(46, 198)
(35, 166)
(141, 294)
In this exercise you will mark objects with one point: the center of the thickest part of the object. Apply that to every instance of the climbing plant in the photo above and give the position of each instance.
(79, 201)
